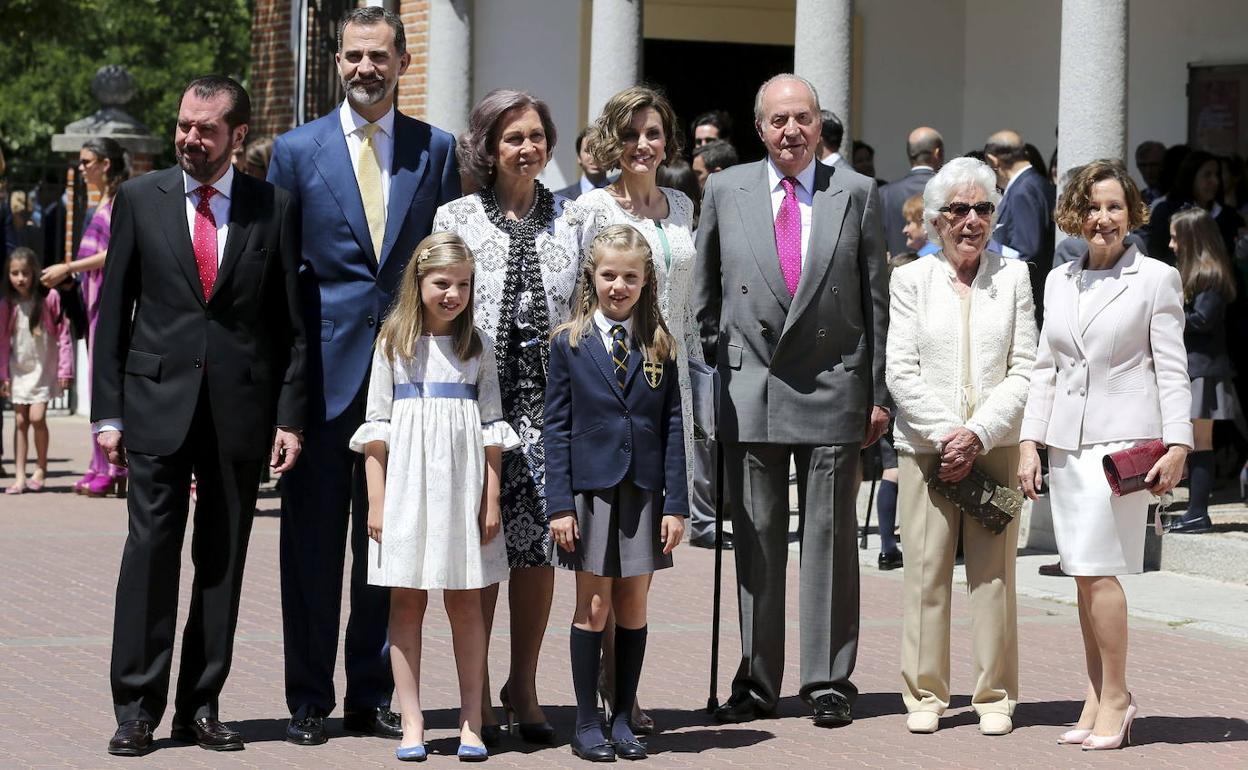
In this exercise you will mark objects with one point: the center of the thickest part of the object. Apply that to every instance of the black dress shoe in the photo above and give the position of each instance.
(209, 732)
(491, 735)
(1052, 570)
(381, 722)
(629, 749)
(593, 752)
(832, 711)
(740, 707)
(132, 739)
(1197, 526)
(708, 541)
(891, 560)
(309, 731)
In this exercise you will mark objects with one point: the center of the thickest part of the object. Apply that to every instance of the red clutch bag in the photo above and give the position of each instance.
(1125, 470)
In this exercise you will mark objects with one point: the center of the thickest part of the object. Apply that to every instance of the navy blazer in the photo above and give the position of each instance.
(1204, 335)
(345, 288)
(893, 197)
(597, 434)
(1025, 220)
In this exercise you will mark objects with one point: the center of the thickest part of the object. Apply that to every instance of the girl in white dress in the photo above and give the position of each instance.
(433, 439)
(36, 361)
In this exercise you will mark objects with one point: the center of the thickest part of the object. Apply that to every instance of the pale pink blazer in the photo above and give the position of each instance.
(1120, 374)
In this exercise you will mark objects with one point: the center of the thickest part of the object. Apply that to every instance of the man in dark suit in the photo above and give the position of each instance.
(199, 354)
(791, 297)
(1024, 227)
(368, 180)
(926, 150)
(830, 138)
(592, 175)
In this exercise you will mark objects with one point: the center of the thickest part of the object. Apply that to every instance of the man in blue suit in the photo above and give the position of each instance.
(1024, 227)
(368, 180)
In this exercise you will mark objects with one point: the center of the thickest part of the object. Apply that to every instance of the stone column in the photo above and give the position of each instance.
(614, 51)
(1092, 82)
(450, 64)
(823, 53)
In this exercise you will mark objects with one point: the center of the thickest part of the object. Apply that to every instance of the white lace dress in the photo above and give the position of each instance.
(436, 414)
(671, 247)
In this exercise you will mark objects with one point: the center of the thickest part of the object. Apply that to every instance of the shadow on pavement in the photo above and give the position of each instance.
(1180, 730)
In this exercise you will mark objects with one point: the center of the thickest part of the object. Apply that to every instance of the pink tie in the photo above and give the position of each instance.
(205, 240)
(789, 235)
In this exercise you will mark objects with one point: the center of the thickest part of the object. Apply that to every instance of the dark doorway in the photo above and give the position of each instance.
(699, 77)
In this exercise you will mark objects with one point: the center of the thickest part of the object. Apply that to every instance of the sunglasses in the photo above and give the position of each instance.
(962, 210)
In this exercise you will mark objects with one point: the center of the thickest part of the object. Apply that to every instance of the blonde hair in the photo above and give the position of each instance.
(649, 329)
(1203, 264)
(406, 320)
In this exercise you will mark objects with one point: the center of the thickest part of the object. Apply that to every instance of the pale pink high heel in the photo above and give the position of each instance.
(1074, 737)
(1123, 738)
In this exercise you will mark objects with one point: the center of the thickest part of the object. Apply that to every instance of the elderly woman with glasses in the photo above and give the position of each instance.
(961, 345)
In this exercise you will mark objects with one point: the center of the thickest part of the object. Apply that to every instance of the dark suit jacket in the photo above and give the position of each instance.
(597, 434)
(1204, 335)
(159, 343)
(345, 288)
(892, 197)
(1025, 219)
(571, 192)
(804, 369)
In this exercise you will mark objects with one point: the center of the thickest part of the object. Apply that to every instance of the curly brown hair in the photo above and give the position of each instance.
(1072, 207)
(606, 135)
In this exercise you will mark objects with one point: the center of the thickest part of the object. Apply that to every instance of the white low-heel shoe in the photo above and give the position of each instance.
(996, 724)
(922, 721)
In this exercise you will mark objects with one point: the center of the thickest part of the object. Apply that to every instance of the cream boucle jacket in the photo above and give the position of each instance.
(925, 354)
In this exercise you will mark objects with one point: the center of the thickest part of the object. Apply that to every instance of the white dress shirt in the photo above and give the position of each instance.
(383, 143)
(831, 159)
(220, 205)
(805, 191)
(604, 324)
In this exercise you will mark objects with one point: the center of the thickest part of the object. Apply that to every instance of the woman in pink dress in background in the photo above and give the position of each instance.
(104, 165)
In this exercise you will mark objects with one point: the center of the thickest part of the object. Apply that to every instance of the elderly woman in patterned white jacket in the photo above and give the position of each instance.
(961, 346)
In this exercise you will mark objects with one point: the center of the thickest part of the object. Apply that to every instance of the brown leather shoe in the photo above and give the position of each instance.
(209, 733)
(132, 739)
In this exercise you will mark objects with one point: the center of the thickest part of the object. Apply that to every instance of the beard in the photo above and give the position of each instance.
(365, 91)
(200, 165)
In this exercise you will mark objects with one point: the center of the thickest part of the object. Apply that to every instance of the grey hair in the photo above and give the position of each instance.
(477, 148)
(369, 15)
(953, 176)
(758, 97)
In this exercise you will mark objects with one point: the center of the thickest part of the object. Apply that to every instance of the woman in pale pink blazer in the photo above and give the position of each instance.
(1110, 373)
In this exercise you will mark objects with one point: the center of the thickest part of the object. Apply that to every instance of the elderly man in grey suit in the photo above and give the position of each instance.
(791, 297)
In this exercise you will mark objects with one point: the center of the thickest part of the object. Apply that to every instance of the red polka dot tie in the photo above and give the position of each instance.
(789, 235)
(205, 240)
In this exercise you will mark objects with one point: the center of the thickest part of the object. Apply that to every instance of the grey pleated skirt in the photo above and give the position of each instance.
(619, 533)
(1213, 398)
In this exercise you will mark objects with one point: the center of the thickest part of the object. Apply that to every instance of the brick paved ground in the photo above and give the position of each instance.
(58, 565)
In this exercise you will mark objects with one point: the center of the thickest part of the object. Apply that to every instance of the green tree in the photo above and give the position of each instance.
(52, 48)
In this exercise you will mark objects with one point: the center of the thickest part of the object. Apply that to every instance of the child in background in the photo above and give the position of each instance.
(615, 472)
(36, 361)
(433, 439)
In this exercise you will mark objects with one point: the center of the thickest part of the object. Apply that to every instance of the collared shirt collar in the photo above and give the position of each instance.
(224, 185)
(805, 177)
(922, 167)
(352, 122)
(604, 324)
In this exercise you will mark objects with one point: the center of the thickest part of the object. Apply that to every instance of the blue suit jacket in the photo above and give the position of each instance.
(1025, 221)
(597, 434)
(345, 288)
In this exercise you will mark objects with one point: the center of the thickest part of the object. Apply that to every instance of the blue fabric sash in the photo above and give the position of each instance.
(435, 390)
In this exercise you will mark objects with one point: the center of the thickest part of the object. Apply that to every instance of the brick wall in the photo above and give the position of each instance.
(413, 85)
(272, 68)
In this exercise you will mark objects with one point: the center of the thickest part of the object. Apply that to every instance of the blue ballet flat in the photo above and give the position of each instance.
(411, 753)
(472, 753)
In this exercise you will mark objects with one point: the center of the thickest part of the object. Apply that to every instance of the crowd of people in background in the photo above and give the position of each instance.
(470, 379)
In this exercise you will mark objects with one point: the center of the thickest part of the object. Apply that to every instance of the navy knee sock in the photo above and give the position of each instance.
(886, 504)
(586, 649)
(630, 651)
(1200, 484)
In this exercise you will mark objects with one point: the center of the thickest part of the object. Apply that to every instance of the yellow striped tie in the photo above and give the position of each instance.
(619, 353)
(368, 177)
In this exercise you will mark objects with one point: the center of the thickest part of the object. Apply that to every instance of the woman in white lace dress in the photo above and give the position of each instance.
(636, 133)
(526, 272)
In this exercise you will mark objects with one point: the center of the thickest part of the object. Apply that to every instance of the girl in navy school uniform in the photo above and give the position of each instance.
(615, 472)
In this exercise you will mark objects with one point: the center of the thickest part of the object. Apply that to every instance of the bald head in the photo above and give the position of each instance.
(925, 147)
(1006, 152)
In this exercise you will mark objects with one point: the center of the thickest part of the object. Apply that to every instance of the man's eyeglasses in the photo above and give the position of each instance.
(962, 210)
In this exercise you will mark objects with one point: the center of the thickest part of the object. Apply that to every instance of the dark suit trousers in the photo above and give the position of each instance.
(322, 494)
(147, 588)
(756, 489)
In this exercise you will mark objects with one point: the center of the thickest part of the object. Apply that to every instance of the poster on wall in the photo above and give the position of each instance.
(1217, 96)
